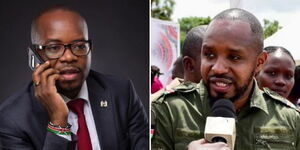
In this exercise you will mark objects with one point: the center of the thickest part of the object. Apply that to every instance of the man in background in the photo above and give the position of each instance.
(186, 68)
(191, 53)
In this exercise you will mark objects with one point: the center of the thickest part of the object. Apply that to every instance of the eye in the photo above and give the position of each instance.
(289, 76)
(80, 46)
(271, 73)
(53, 47)
(235, 57)
(209, 55)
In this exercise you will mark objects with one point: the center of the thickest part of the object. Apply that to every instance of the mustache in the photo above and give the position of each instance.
(222, 76)
(69, 67)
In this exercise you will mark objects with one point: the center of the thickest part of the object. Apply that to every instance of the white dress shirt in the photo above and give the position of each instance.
(73, 119)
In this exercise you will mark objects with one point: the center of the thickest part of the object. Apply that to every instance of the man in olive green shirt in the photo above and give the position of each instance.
(231, 55)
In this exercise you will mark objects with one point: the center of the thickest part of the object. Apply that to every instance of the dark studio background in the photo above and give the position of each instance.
(119, 30)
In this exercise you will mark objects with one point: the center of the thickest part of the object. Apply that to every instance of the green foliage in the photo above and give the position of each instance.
(162, 9)
(270, 27)
(187, 23)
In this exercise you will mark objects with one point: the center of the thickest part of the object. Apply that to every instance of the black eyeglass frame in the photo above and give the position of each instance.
(37, 47)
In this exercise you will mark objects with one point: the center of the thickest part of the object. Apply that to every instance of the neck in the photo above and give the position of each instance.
(293, 99)
(191, 78)
(240, 103)
(71, 94)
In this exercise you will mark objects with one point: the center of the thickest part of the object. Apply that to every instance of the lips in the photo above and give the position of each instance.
(220, 85)
(69, 74)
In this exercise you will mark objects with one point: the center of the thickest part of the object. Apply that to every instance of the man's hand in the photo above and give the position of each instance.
(44, 78)
(202, 144)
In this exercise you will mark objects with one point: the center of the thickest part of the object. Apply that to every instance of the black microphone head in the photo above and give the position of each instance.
(223, 108)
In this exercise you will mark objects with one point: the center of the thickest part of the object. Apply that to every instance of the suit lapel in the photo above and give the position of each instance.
(102, 108)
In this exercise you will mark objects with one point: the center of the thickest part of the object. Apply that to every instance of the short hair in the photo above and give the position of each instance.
(155, 71)
(296, 88)
(177, 70)
(34, 25)
(193, 42)
(272, 49)
(236, 14)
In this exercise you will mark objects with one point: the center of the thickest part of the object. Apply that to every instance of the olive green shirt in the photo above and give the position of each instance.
(268, 121)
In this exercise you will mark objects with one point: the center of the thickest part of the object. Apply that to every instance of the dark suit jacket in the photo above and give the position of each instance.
(123, 124)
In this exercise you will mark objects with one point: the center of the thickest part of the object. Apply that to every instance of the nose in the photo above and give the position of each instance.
(279, 81)
(68, 56)
(220, 67)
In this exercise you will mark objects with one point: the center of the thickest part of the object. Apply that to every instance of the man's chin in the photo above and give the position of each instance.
(216, 96)
(66, 87)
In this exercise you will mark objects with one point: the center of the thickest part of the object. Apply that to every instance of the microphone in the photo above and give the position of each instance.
(220, 127)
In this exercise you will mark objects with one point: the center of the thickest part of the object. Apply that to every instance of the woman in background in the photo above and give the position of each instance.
(278, 71)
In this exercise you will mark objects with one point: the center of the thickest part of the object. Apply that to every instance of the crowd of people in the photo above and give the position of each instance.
(227, 60)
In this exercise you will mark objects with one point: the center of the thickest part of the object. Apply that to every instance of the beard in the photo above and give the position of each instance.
(239, 90)
(68, 88)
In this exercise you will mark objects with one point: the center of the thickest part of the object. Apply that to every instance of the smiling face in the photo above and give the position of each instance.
(278, 73)
(229, 60)
(64, 27)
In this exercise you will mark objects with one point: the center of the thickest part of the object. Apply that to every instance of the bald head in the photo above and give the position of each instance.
(56, 16)
(236, 14)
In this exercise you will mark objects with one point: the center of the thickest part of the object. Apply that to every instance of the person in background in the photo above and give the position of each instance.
(156, 84)
(177, 70)
(295, 93)
(191, 53)
(278, 72)
(186, 68)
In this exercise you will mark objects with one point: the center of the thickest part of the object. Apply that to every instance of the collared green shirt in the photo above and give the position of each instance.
(268, 121)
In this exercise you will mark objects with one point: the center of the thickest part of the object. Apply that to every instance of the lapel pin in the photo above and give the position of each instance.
(103, 103)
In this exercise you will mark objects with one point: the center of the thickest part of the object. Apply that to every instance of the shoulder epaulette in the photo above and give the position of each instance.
(184, 87)
(279, 98)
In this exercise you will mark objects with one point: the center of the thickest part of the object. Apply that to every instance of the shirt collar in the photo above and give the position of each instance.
(83, 94)
(257, 99)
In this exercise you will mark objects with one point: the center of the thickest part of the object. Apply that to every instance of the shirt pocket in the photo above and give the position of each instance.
(184, 136)
(274, 138)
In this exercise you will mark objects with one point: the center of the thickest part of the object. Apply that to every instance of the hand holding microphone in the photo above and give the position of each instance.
(220, 127)
(202, 144)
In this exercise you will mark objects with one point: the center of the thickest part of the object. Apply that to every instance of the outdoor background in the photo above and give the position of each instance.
(119, 30)
(279, 20)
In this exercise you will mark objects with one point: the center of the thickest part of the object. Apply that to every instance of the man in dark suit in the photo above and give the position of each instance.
(69, 106)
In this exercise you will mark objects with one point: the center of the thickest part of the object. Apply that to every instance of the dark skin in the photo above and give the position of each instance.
(229, 60)
(66, 74)
(192, 69)
(278, 73)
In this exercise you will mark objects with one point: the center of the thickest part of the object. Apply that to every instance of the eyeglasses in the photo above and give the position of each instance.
(54, 51)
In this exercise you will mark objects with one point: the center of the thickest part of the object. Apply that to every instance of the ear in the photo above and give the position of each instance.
(188, 63)
(262, 57)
